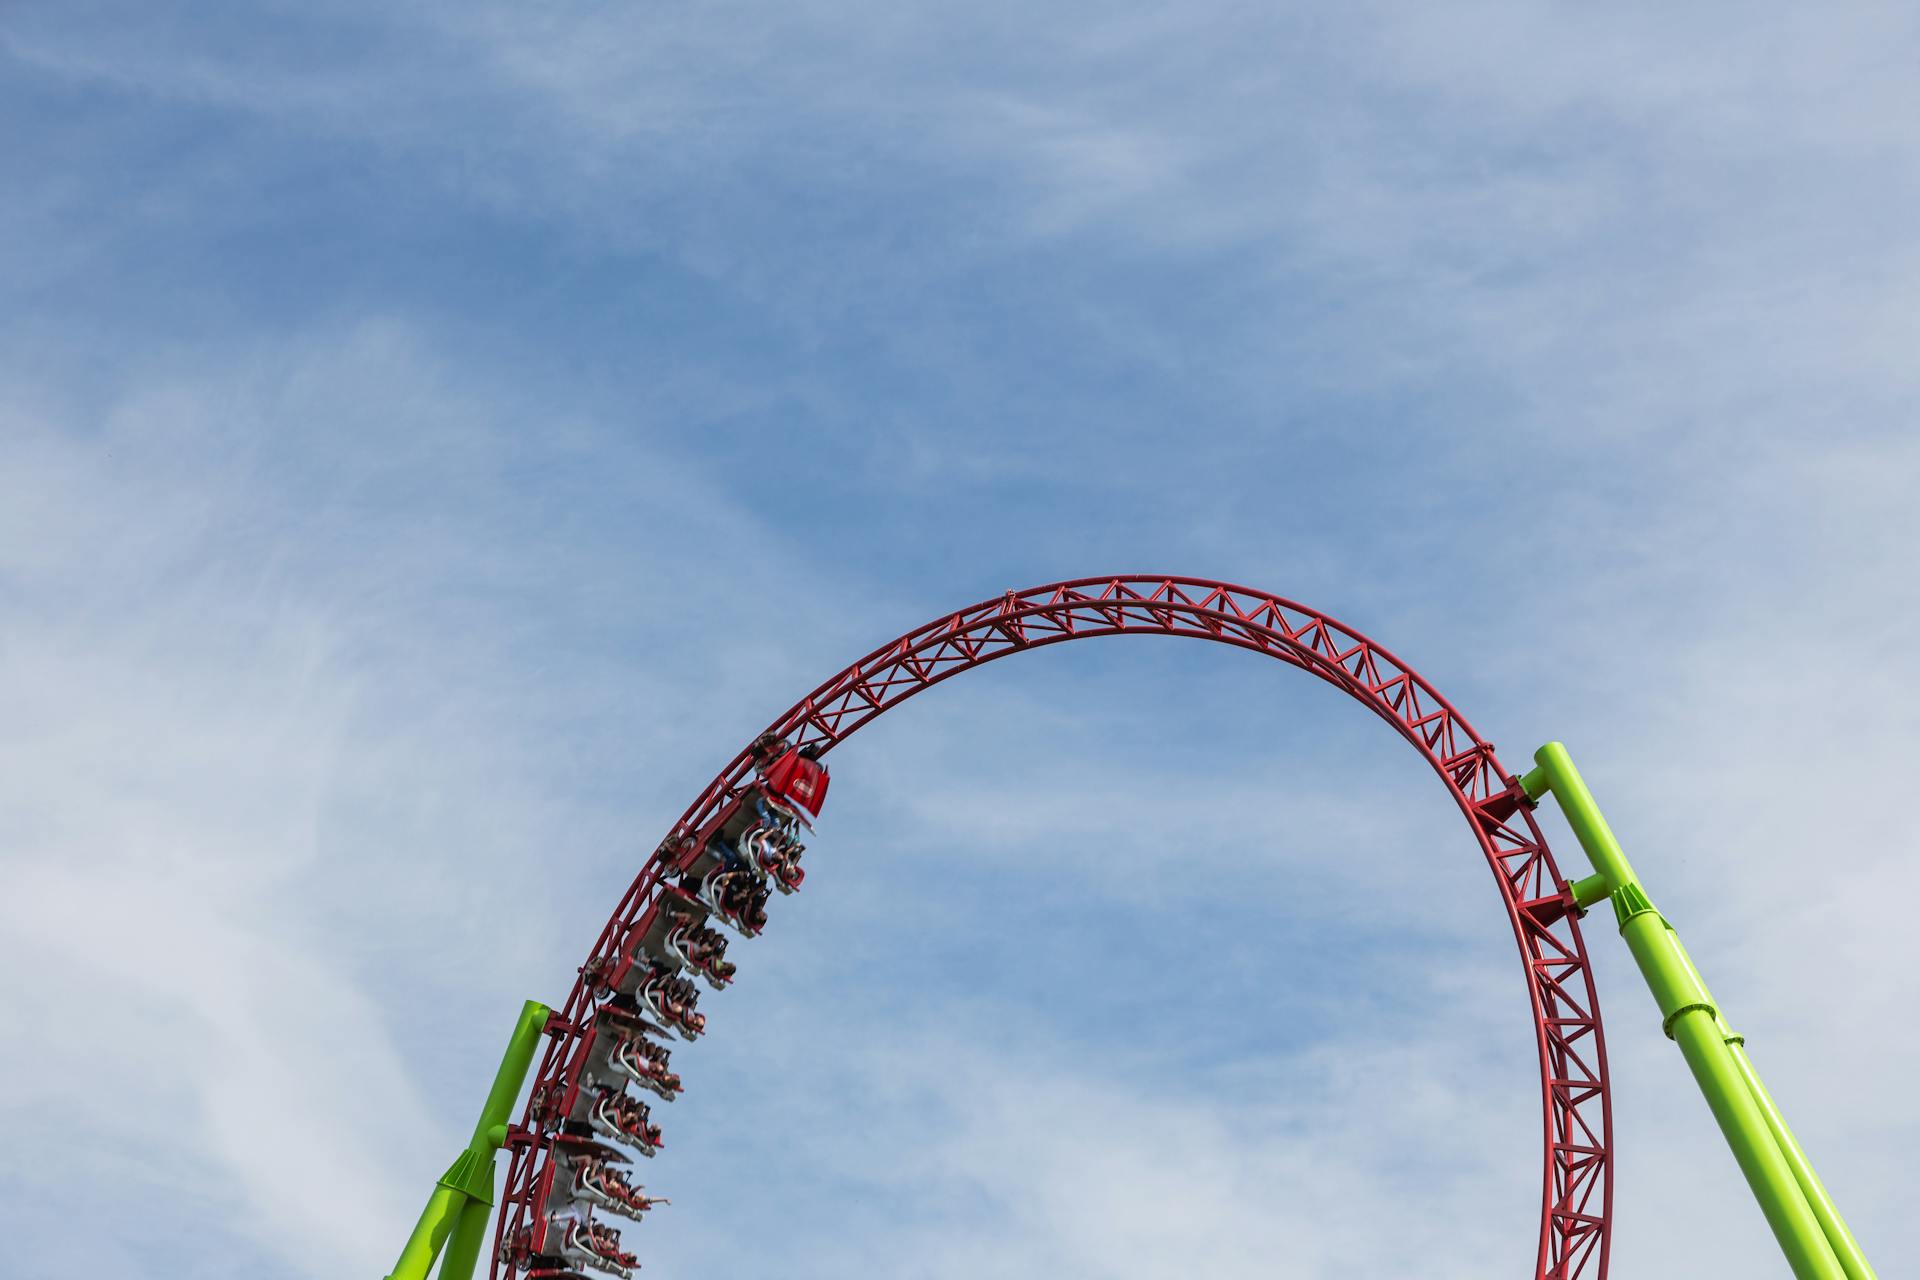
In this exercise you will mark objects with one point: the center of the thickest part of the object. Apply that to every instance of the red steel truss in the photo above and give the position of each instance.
(1577, 1195)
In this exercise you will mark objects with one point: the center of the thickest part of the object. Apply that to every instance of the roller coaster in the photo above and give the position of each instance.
(712, 878)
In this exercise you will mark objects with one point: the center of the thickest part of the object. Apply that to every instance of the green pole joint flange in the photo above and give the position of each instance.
(1698, 1006)
(1630, 900)
(471, 1174)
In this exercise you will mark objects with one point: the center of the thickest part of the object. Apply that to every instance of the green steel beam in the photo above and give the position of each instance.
(469, 1237)
(1809, 1229)
(1590, 891)
(1845, 1247)
(463, 1199)
(423, 1246)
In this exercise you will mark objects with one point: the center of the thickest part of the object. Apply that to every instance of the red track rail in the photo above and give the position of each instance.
(1573, 1239)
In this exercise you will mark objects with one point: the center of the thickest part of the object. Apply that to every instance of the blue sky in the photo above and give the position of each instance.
(432, 441)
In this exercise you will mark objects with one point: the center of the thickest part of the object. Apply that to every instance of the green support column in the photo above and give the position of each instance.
(463, 1200)
(469, 1237)
(423, 1246)
(1845, 1247)
(1809, 1231)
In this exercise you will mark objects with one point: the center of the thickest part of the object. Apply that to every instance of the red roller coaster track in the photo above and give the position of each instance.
(1577, 1195)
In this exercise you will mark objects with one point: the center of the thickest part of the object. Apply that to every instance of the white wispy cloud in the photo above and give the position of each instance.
(1570, 354)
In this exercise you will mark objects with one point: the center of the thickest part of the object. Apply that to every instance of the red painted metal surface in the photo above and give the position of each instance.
(1577, 1190)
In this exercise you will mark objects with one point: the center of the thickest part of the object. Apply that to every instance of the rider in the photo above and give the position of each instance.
(605, 1241)
(709, 952)
(752, 911)
(727, 854)
(609, 1181)
(644, 1057)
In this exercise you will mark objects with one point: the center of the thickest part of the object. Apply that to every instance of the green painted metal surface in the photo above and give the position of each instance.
(423, 1246)
(462, 1201)
(468, 1238)
(498, 1111)
(1845, 1247)
(1809, 1230)
(1590, 891)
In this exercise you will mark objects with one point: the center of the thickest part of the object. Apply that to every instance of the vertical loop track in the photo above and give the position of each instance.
(1577, 1190)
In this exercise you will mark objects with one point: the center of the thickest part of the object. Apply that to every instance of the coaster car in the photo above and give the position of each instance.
(756, 811)
(617, 1049)
(596, 1102)
(753, 841)
(649, 941)
(640, 1060)
(775, 854)
(669, 1000)
(577, 1242)
(588, 1172)
(701, 950)
(737, 898)
(620, 1117)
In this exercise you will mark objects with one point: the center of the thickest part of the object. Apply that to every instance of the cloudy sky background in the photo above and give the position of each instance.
(432, 441)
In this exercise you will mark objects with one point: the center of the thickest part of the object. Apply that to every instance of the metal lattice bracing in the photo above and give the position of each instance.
(1577, 1189)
